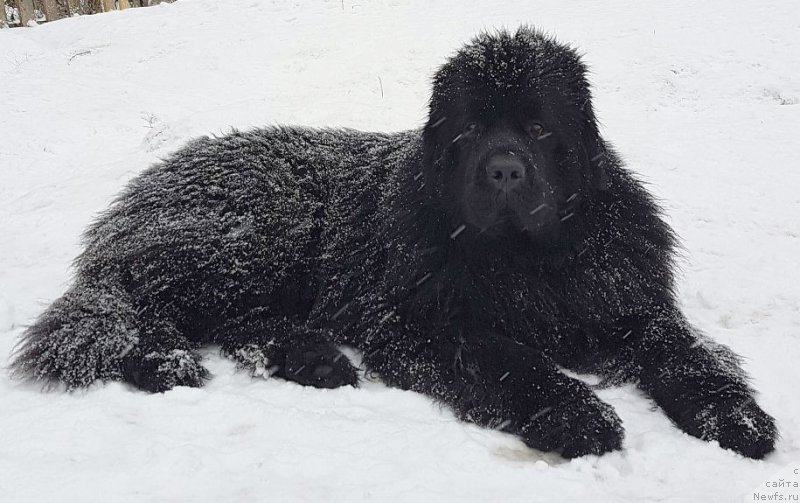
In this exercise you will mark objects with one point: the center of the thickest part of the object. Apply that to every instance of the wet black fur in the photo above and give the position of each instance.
(281, 243)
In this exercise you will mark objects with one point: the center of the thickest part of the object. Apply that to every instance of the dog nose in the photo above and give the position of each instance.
(505, 172)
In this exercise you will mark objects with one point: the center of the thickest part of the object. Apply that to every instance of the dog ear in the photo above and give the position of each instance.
(430, 142)
(597, 156)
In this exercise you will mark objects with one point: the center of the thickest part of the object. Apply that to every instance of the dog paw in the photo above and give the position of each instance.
(737, 423)
(576, 427)
(321, 366)
(161, 371)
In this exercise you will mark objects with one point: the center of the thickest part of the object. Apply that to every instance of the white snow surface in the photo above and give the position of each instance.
(701, 99)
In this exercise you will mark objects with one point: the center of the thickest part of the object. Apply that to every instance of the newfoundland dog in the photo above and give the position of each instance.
(470, 261)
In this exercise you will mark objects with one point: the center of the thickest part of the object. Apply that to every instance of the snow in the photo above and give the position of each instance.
(700, 98)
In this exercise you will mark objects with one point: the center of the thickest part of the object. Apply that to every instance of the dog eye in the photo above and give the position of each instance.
(537, 130)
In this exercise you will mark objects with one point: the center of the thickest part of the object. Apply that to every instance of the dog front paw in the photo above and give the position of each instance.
(737, 423)
(578, 426)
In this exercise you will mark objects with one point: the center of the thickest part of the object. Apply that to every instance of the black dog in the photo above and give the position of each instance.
(467, 261)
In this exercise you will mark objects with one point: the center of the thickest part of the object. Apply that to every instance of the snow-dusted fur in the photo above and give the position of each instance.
(281, 243)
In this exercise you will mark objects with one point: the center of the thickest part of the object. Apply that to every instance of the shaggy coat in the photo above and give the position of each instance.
(281, 244)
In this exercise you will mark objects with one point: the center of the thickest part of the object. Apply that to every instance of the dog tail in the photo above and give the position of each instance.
(82, 337)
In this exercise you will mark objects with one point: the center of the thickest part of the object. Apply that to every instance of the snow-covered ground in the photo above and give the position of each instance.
(701, 98)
